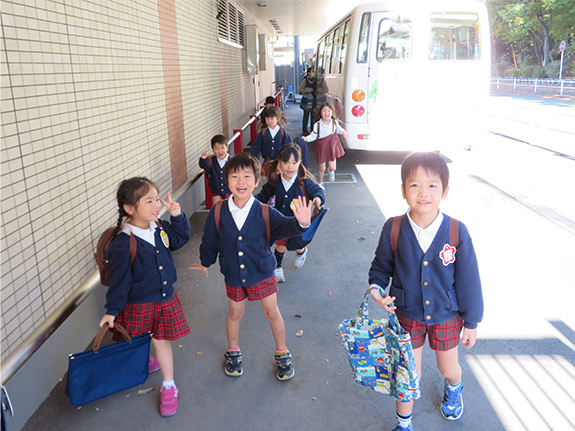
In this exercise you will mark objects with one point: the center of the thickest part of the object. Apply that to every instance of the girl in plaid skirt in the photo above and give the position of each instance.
(141, 294)
(327, 147)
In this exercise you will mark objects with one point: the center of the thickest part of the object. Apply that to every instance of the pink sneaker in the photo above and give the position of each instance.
(169, 401)
(153, 365)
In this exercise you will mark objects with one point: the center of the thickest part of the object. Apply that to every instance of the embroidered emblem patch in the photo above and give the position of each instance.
(165, 239)
(447, 255)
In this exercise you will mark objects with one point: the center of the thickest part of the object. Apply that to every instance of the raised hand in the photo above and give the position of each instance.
(204, 154)
(302, 212)
(173, 207)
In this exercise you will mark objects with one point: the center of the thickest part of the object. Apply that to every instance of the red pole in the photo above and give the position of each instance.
(277, 99)
(239, 142)
(253, 129)
(209, 201)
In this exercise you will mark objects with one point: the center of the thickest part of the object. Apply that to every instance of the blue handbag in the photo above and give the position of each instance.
(380, 354)
(102, 371)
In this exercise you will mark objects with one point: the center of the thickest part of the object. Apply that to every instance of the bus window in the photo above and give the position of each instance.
(327, 53)
(454, 36)
(320, 53)
(363, 42)
(343, 47)
(393, 40)
(336, 51)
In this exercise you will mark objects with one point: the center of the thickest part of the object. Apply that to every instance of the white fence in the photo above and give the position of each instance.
(535, 85)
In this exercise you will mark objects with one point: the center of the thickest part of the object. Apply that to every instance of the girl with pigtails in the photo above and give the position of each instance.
(141, 294)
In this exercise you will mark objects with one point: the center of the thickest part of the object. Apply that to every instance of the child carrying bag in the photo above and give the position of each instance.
(380, 354)
(102, 371)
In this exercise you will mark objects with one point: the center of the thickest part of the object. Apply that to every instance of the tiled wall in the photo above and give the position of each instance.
(84, 106)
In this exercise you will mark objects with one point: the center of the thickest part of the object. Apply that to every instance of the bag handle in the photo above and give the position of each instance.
(102, 332)
(363, 315)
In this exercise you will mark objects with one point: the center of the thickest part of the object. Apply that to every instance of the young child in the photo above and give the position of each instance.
(288, 180)
(435, 286)
(214, 167)
(246, 259)
(269, 141)
(327, 147)
(270, 102)
(141, 294)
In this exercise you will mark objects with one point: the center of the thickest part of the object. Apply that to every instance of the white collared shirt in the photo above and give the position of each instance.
(223, 161)
(287, 184)
(145, 234)
(240, 215)
(274, 131)
(425, 236)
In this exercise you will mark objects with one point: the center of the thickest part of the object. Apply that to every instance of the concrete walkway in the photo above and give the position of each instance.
(313, 301)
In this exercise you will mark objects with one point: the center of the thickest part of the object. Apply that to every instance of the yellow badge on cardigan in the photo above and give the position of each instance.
(165, 238)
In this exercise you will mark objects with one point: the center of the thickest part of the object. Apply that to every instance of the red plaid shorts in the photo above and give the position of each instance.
(442, 336)
(164, 319)
(282, 241)
(255, 292)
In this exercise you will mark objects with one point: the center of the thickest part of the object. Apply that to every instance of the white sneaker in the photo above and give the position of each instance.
(331, 176)
(279, 275)
(300, 259)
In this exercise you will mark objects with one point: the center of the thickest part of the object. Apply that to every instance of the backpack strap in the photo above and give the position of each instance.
(133, 247)
(453, 232)
(395, 226)
(210, 162)
(265, 213)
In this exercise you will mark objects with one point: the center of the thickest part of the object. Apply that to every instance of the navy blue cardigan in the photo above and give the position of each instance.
(426, 290)
(245, 256)
(151, 277)
(269, 147)
(217, 182)
(284, 198)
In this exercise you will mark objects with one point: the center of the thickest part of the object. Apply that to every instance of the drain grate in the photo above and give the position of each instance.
(341, 178)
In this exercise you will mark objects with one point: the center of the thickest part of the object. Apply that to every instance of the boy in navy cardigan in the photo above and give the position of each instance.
(269, 140)
(435, 285)
(239, 236)
(214, 167)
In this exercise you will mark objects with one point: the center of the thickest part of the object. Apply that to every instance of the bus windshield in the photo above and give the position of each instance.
(454, 36)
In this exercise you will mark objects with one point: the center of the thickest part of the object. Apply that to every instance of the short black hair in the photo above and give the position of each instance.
(430, 161)
(219, 139)
(243, 160)
(270, 99)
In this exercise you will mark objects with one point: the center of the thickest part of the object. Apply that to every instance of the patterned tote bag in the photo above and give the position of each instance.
(380, 354)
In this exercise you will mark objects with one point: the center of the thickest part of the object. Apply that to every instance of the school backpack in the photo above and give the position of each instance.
(453, 232)
(265, 213)
(101, 255)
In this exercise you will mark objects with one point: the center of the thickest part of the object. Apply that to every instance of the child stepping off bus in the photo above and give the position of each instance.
(240, 230)
(289, 179)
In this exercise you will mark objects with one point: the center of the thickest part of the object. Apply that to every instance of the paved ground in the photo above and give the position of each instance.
(315, 299)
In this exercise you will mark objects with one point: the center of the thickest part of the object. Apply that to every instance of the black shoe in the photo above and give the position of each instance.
(285, 369)
(233, 365)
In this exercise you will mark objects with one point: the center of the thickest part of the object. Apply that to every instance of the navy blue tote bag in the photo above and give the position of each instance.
(102, 371)
(298, 242)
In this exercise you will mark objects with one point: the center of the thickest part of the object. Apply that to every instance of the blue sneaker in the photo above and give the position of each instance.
(400, 428)
(452, 404)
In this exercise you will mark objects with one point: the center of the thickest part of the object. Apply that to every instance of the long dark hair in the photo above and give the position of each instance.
(286, 152)
(130, 192)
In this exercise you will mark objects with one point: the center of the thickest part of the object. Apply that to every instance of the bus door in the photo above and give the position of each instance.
(389, 90)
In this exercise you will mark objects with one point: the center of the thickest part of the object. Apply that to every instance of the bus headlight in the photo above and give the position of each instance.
(358, 110)
(358, 96)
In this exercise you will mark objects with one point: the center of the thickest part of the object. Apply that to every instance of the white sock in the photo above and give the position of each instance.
(404, 421)
(451, 386)
(169, 384)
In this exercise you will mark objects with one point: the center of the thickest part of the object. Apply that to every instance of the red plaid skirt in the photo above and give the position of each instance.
(282, 241)
(328, 149)
(255, 292)
(164, 319)
(442, 336)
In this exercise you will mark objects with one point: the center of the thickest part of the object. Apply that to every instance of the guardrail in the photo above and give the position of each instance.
(561, 85)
